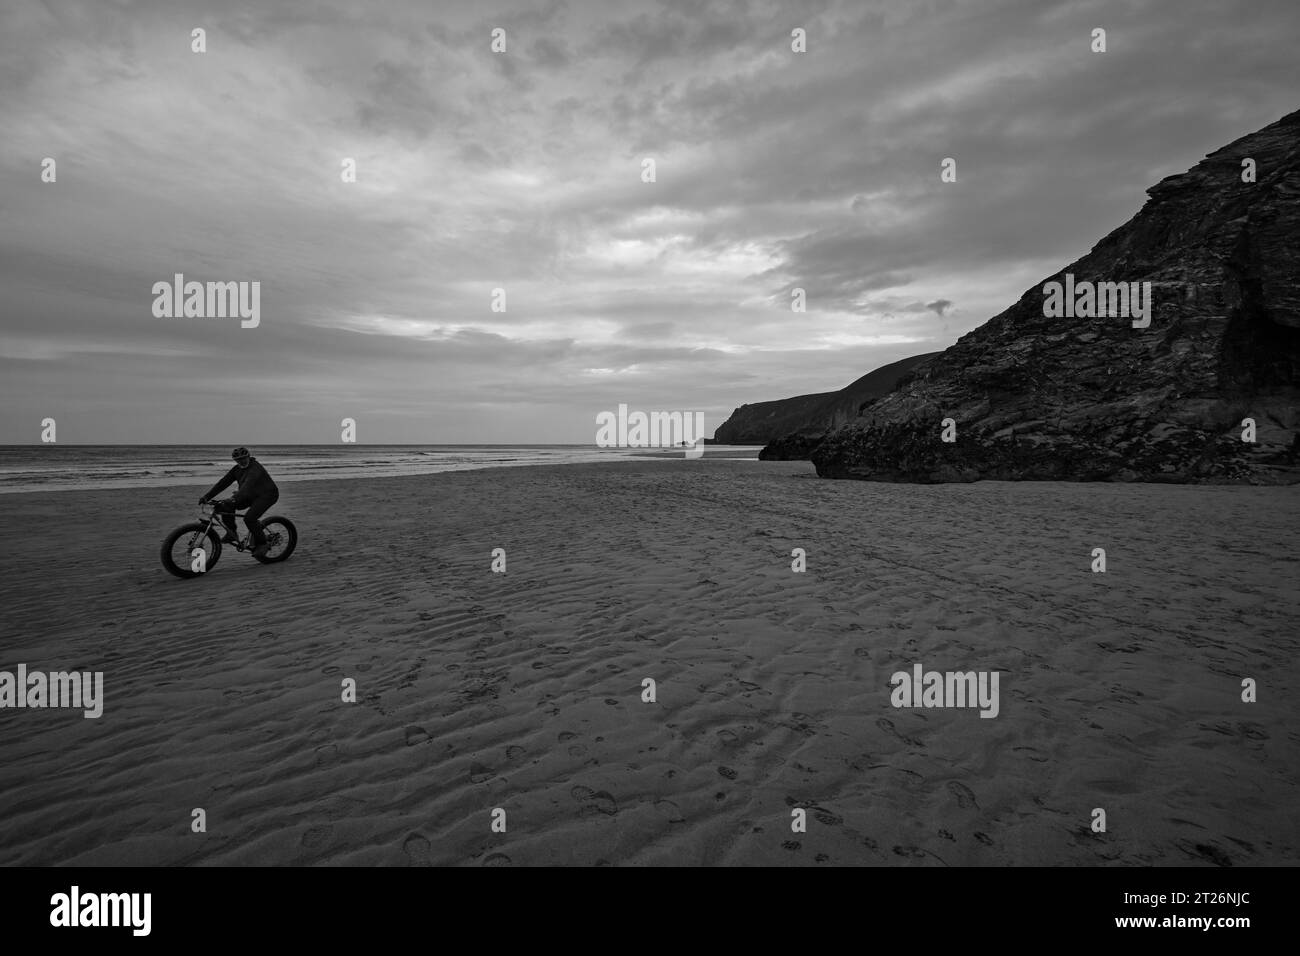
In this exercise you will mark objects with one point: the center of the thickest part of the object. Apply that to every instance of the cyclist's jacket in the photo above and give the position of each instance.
(254, 483)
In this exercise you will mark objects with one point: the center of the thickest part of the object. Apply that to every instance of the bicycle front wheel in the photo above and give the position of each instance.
(180, 550)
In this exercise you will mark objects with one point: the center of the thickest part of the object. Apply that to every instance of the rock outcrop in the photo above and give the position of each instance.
(810, 415)
(1094, 398)
(791, 448)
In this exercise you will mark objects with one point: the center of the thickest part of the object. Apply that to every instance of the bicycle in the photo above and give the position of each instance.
(200, 542)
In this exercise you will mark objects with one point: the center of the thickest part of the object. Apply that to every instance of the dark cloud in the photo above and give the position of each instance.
(549, 53)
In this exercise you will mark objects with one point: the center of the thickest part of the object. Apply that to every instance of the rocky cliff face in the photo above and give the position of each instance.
(759, 423)
(1093, 398)
(811, 415)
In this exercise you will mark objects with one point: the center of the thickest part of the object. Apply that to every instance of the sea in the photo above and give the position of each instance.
(55, 467)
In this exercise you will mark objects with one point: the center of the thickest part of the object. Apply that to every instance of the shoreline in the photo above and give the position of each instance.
(289, 470)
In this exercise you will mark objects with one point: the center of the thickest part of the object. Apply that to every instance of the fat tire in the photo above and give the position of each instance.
(184, 572)
(293, 538)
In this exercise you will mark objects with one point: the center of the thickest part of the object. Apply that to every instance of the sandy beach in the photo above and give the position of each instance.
(523, 690)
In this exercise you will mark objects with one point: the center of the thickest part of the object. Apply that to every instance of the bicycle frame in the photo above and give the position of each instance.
(209, 514)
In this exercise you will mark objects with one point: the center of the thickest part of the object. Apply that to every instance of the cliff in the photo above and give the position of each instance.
(810, 415)
(1033, 395)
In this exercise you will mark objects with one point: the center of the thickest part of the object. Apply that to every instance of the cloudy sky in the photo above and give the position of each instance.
(522, 170)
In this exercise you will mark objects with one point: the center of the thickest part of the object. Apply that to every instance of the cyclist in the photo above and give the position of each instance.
(256, 491)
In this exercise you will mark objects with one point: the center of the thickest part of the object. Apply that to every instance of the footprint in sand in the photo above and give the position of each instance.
(566, 735)
(965, 796)
(1042, 805)
(416, 849)
(327, 754)
(595, 801)
(329, 669)
(829, 819)
(727, 772)
(791, 845)
(315, 837)
(497, 859)
(1033, 753)
(1204, 851)
(801, 723)
(514, 752)
(729, 738)
(415, 735)
(670, 810)
(887, 725)
(577, 750)
(479, 773)
(983, 838)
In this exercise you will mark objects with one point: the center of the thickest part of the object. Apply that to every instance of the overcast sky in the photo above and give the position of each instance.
(522, 170)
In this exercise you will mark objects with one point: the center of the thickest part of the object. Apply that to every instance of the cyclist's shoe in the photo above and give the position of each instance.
(261, 549)
(229, 538)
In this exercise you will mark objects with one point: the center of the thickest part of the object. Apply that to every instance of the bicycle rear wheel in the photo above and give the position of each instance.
(281, 539)
(178, 549)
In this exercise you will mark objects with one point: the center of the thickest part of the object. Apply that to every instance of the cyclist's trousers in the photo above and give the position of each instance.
(256, 508)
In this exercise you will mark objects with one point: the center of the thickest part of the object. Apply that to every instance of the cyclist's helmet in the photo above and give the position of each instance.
(240, 452)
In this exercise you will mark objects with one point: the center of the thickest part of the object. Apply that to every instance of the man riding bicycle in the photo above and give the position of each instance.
(256, 491)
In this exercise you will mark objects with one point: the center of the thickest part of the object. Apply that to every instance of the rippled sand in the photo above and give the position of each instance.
(522, 691)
